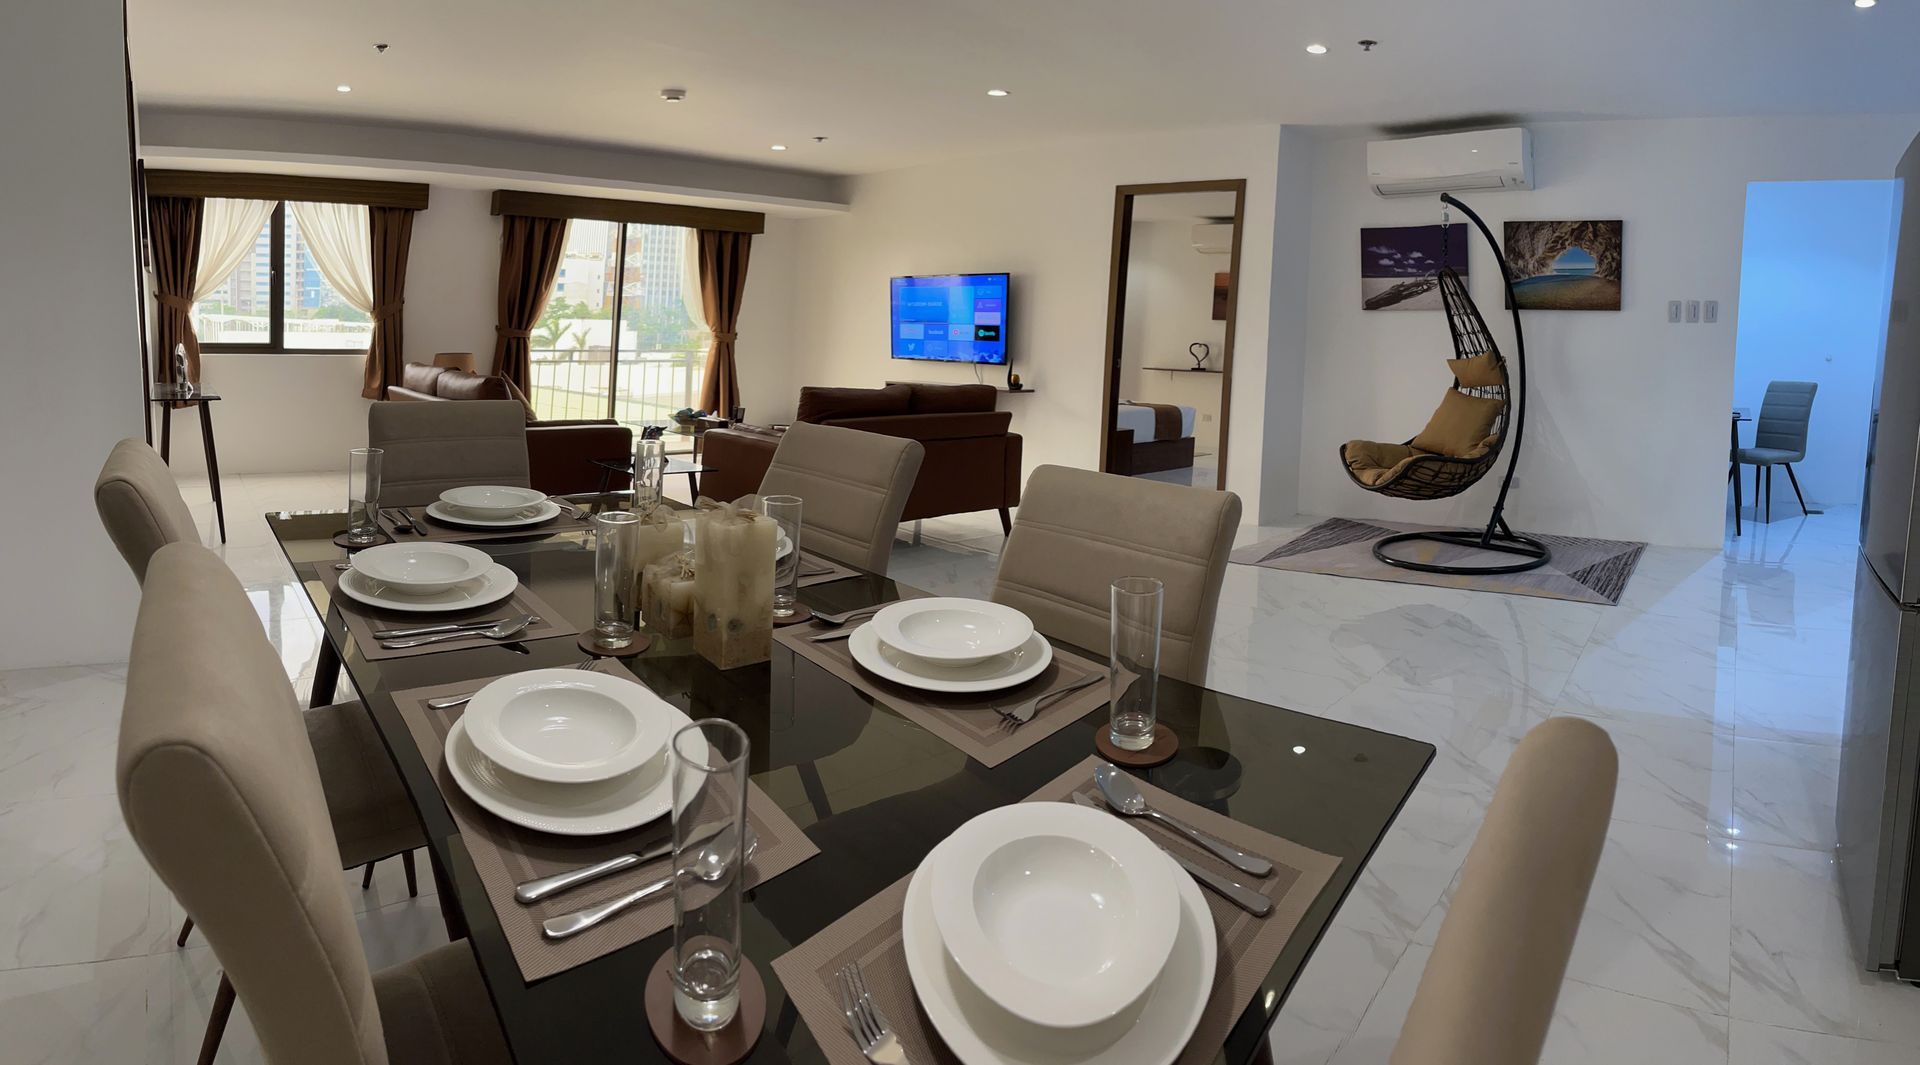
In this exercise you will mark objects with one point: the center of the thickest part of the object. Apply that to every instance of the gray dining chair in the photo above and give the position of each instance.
(853, 486)
(140, 504)
(1780, 437)
(1488, 992)
(224, 795)
(433, 446)
(1078, 531)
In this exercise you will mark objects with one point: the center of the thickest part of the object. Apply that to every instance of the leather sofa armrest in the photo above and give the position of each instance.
(408, 395)
(955, 426)
(561, 458)
(564, 422)
(736, 462)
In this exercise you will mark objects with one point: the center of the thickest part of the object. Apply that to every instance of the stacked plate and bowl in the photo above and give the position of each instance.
(951, 645)
(494, 506)
(1048, 932)
(425, 578)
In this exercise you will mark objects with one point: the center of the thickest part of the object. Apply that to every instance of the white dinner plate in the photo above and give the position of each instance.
(536, 515)
(497, 583)
(568, 726)
(952, 631)
(1154, 1031)
(1001, 671)
(595, 809)
(421, 567)
(492, 500)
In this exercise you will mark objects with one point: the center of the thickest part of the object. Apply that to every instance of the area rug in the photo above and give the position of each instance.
(1582, 569)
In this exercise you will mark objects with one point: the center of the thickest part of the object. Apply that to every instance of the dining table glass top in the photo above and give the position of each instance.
(874, 791)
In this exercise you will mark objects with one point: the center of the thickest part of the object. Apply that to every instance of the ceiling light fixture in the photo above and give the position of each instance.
(779, 147)
(998, 92)
(673, 96)
(1316, 49)
(1864, 3)
(343, 88)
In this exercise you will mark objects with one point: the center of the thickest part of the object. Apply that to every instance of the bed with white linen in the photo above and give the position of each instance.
(1137, 446)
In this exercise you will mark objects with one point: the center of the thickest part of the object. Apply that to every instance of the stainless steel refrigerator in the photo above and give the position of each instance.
(1879, 800)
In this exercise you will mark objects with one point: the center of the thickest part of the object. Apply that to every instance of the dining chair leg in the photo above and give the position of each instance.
(1756, 491)
(185, 931)
(1796, 490)
(413, 882)
(450, 913)
(217, 1020)
(1006, 522)
(366, 881)
(1734, 475)
(1769, 494)
(326, 675)
(816, 789)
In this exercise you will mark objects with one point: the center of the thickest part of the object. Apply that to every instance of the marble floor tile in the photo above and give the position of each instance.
(1761, 1044)
(1332, 995)
(1653, 668)
(1798, 650)
(1792, 962)
(73, 887)
(96, 1013)
(58, 731)
(1673, 777)
(1785, 793)
(1658, 919)
(1783, 707)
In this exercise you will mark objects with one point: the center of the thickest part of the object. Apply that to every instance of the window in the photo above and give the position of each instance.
(650, 366)
(277, 300)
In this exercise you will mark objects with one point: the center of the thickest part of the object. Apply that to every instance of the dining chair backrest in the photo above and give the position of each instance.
(433, 446)
(219, 790)
(1784, 414)
(1078, 531)
(140, 504)
(852, 485)
(1488, 992)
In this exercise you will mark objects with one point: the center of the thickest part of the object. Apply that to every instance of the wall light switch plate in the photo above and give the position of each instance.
(1693, 310)
(1711, 312)
(1673, 312)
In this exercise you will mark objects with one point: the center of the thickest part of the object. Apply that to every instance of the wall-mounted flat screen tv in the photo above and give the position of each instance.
(951, 318)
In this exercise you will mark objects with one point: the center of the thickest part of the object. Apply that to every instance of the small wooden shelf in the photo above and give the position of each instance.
(1181, 369)
(1002, 389)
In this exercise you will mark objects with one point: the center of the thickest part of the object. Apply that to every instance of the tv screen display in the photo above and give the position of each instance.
(951, 318)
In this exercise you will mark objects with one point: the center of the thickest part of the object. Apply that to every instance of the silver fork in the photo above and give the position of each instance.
(1012, 717)
(870, 1029)
(448, 702)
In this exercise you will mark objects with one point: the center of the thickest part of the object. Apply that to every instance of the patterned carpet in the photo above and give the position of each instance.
(1582, 569)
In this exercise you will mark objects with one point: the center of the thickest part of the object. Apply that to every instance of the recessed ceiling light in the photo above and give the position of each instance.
(1864, 3)
(779, 147)
(1316, 49)
(998, 92)
(343, 88)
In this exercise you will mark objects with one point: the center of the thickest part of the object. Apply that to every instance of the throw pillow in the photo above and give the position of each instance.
(1460, 425)
(1478, 372)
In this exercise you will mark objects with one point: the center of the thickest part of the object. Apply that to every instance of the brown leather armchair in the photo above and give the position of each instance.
(972, 461)
(561, 454)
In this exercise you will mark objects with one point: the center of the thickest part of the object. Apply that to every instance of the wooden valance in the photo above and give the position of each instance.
(544, 205)
(238, 186)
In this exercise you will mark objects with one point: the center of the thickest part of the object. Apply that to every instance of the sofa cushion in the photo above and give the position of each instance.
(459, 384)
(951, 399)
(827, 404)
(419, 377)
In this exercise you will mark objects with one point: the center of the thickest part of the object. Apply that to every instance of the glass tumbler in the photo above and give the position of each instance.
(785, 511)
(649, 472)
(1134, 632)
(363, 495)
(711, 847)
(614, 606)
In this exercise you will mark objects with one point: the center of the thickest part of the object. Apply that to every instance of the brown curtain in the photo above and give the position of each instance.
(174, 230)
(723, 280)
(391, 231)
(530, 250)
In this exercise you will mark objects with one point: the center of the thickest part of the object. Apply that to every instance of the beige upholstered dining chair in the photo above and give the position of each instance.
(853, 486)
(139, 503)
(223, 794)
(431, 447)
(1078, 531)
(1488, 992)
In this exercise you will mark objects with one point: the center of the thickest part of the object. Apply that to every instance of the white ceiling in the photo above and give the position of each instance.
(898, 82)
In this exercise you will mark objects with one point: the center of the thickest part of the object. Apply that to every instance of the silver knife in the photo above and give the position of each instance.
(1240, 895)
(534, 890)
(430, 630)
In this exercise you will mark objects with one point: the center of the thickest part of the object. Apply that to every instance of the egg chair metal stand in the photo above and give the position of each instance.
(1429, 476)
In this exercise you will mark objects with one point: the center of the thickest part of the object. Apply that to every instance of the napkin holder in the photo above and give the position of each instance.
(667, 596)
(733, 552)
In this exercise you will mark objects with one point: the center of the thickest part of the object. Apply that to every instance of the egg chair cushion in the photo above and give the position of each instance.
(1374, 463)
(1480, 371)
(1460, 426)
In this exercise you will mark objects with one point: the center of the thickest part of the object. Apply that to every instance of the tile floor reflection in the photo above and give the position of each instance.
(1713, 933)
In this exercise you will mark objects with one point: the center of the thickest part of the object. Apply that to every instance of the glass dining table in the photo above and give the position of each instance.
(834, 760)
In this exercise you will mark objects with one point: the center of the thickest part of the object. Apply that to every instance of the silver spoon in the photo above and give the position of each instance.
(711, 864)
(1124, 796)
(506, 630)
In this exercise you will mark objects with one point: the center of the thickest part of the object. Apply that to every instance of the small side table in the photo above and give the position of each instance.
(1733, 466)
(675, 467)
(205, 401)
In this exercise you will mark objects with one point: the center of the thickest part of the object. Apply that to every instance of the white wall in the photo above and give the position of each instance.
(1626, 425)
(73, 380)
(1046, 215)
(1815, 269)
(1170, 306)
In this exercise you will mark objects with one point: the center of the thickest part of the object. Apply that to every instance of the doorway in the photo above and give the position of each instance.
(1173, 289)
(1815, 266)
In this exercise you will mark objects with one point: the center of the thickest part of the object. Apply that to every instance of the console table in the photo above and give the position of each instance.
(205, 401)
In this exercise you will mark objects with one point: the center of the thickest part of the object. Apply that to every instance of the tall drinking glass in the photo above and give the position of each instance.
(614, 606)
(785, 511)
(710, 851)
(649, 471)
(363, 495)
(1134, 632)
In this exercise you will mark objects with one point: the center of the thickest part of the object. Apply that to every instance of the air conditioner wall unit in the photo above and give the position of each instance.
(1482, 161)
(1213, 238)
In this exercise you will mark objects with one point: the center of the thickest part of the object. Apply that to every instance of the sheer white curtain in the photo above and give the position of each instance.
(690, 296)
(341, 239)
(228, 230)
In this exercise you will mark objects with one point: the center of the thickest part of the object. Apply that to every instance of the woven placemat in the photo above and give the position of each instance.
(506, 855)
(969, 722)
(432, 530)
(870, 935)
(816, 569)
(362, 620)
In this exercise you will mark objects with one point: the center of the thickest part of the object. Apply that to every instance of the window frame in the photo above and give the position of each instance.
(276, 303)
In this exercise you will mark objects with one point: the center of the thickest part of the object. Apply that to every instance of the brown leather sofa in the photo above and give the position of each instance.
(560, 454)
(972, 462)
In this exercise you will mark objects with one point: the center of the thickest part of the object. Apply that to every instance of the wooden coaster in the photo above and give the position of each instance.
(690, 1047)
(800, 613)
(641, 641)
(1165, 743)
(340, 540)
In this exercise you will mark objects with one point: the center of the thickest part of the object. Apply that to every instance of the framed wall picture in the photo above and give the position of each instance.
(1400, 265)
(1565, 266)
(1220, 296)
